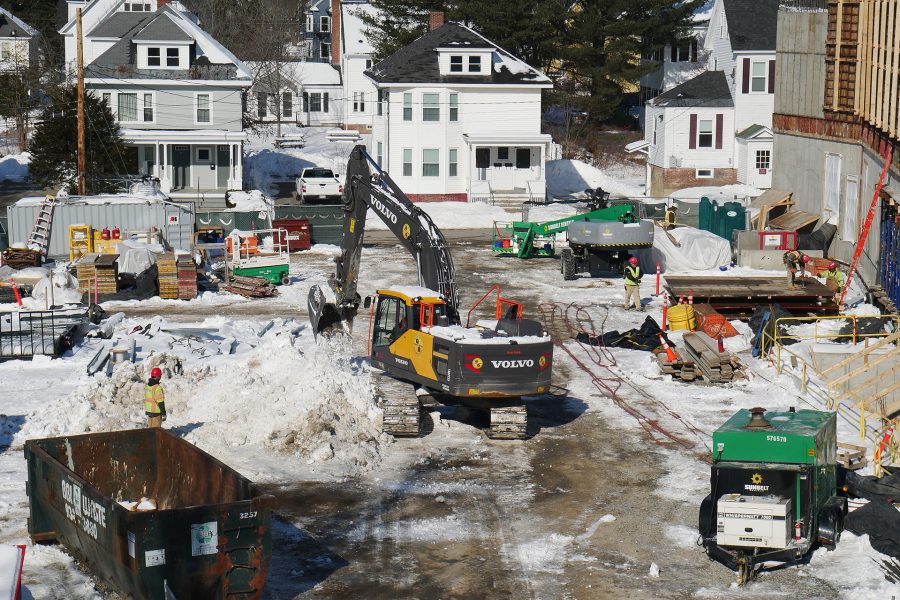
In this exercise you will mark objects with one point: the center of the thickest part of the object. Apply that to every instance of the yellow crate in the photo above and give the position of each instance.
(81, 241)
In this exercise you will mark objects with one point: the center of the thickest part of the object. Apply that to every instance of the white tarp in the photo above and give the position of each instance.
(62, 290)
(699, 250)
(136, 257)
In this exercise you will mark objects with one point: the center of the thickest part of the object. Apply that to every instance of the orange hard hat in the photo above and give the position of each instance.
(832, 265)
(633, 260)
(155, 372)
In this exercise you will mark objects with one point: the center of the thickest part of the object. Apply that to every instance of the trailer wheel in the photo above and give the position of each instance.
(705, 525)
(285, 279)
(567, 264)
(831, 524)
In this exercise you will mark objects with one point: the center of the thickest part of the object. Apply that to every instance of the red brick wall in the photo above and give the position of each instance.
(335, 32)
(665, 181)
(435, 20)
(439, 197)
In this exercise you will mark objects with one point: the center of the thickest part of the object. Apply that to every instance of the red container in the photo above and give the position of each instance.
(778, 240)
(298, 233)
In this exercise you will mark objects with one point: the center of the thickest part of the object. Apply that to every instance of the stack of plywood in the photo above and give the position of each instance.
(106, 268)
(86, 271)
(716, 366)
(167, 268)
(187, 277)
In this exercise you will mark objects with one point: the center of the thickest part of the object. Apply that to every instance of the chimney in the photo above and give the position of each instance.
(336, 32)
(161, 3)
(435, 20)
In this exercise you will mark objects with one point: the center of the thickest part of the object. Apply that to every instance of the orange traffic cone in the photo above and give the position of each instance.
(670, 354)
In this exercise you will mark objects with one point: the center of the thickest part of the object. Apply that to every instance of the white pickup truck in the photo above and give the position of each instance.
(317, 184)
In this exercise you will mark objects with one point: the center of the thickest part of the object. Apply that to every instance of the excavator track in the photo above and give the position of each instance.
(508, 422)
(402, 413)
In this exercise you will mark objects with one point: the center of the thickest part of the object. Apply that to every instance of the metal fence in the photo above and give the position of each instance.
(26, 334)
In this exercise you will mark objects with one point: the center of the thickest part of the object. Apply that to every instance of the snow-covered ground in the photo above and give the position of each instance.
(591, 507)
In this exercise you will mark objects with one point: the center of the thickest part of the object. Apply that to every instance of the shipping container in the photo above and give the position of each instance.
(298, 237)
(175, 221)
(210, 536)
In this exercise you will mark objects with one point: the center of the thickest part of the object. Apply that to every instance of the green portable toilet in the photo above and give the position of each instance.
(732, 216)
(706, 214)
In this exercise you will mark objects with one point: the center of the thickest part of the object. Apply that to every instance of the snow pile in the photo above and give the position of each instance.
(696, 250)
(248, 202)
(14, 167)
(287, 395)
(58, 288)
(571, 177)
(453, 215)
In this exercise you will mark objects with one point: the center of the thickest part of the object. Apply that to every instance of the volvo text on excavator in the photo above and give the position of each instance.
(417, 338)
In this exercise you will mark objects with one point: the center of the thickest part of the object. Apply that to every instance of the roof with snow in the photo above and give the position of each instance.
(302, 73)
(754, 131)
(418, 62)
(709, 88)
(751, 24)
(12, 26)
(353, 30)
(171, 23)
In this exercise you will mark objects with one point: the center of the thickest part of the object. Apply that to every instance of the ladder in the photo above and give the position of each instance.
(39, 238)
(867, 225)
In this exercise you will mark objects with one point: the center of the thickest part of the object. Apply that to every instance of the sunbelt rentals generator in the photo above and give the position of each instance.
(773, 489)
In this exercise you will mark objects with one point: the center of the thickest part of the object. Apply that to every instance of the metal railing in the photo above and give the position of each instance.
(854, 336)
(26, 334)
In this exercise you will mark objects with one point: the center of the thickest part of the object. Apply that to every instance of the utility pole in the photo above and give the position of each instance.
(80, 61)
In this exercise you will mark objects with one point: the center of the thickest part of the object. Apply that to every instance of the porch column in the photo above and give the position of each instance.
(165, 179)
(239, 170)
(234, 183)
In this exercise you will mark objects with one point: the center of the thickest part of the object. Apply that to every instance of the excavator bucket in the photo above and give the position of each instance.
(327, 317)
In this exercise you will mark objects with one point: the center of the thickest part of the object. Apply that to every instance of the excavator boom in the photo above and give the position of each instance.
(334, 308)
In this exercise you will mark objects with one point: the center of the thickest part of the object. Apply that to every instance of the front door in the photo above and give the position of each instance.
(482, 162)
(181, 167)
(223, 166)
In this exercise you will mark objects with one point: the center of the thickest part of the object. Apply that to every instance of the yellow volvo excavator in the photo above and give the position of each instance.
(417, 339)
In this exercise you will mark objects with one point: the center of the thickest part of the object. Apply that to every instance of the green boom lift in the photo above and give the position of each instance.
(527, 240)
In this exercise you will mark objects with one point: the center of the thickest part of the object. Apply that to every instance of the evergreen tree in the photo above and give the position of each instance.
(54, 147)
(605, 39)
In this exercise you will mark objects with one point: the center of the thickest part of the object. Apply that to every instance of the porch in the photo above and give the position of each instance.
(510, 166)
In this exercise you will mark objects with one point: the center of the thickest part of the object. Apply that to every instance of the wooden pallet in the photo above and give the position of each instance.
(679, 368)
(20, 258)
(107, 273)
(250, 287)
(717, 367)
(167, 273)
(851, 456)
(187, 277)
(85, 271)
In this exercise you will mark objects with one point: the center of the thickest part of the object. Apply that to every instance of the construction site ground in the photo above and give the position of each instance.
(601, 501)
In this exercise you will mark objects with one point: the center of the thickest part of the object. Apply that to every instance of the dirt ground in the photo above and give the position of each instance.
(455, 515)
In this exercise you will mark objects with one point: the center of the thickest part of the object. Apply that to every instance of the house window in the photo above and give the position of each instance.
(325, 24)
(407, 107)
(430, 162)
(502, 153)
(763, 159)
(655, 127)
(722, 26)
(431, 110)
(325, 102)
(523, 158)
(203, 155)
(287, 104)
(136, 7)
(203, 110)
(454, 107)
(704, 173)
(128, 107)
(758, 77)
(355, 101)
(379, 149)
(315, 102)
(262, 105)
(474, 64)
(107, 99)
(173, 57)
(310, 23)
(368, 64)
(359, 102)
(153, 57)
(407, 162)
(705, 133)
(452, 163)
(682, 52)
(456, 64)
(148, 108)
(381, 95)
(324, 50)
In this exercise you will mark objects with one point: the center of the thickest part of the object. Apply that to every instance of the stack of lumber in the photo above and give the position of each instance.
(716, 367)
(167, 269)
(187, 277)
(107, 272)
(85, 270)
(21, 258)
(250, 287)
(700, 359)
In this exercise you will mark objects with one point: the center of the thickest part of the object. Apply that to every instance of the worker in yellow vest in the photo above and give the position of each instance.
(633, 284)
(154, 399)
(795, 264)
(834, 280)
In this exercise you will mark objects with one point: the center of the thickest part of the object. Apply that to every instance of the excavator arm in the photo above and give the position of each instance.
(335, 307)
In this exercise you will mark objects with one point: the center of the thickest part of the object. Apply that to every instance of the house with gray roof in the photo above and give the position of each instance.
(18, 43)
(176, 93)
(457, 117)
(716, 128)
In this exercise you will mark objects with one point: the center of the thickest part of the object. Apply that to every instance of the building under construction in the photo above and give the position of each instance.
(836, 121)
